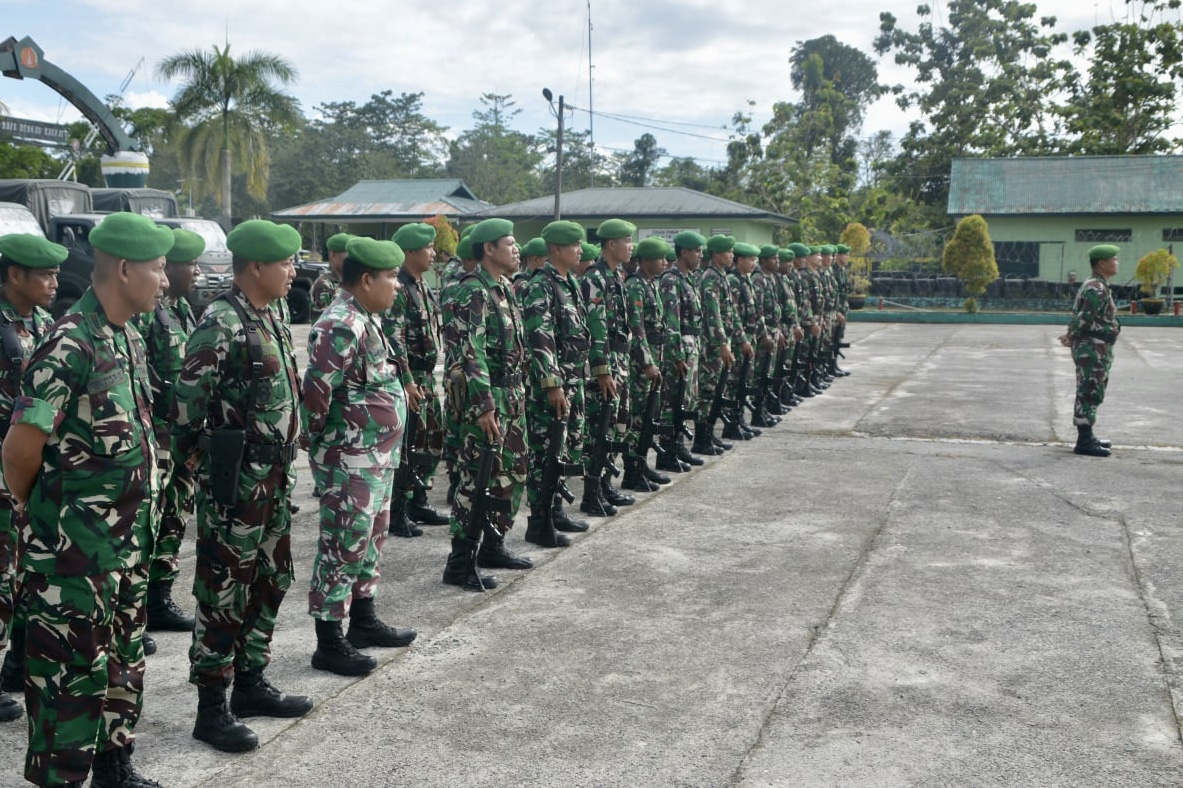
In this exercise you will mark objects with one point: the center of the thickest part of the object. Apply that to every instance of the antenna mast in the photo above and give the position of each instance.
(591, 115)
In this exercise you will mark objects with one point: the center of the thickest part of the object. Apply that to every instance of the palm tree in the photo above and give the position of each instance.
(230, 103)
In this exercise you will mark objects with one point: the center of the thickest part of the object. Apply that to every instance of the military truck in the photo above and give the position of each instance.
(154, 203)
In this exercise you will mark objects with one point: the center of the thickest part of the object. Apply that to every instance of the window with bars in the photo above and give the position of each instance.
(1173, 234)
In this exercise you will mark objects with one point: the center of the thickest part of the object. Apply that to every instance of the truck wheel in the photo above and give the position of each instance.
(300, 305)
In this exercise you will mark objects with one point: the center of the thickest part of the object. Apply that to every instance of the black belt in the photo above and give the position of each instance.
(618, 345)
(421, 365)
(1105, 336)
(261, 453)
(689, 333)
(505, 379)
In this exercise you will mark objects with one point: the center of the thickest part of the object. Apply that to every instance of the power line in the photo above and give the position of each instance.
(623, 119)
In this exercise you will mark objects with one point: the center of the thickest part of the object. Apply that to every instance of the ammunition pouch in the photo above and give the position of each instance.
(226, 448)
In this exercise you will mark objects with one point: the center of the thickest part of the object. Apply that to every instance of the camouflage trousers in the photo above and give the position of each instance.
(354, 521)
(736, 377)
(176, 504)
(451, 423)
(669, 376)
(244, 569)
(710, 367)
(1093, 358)
(595, 403)
(509, 473)
(9, 573)
(539, 417)
(84, 679)
(431, 427)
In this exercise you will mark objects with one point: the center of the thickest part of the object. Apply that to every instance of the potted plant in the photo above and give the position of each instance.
(858, 238)
(1153, 272)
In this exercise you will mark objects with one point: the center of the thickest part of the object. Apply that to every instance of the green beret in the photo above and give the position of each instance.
(338, 242)
(670, 254)
(769, 251)
(720, 243)
(32, 251)
(262, 241)
(652, 248)
(829, 250)
(814, 249)
(842, 249)
(799, 250)
(467, 231)
(562, 232)
(688, 239)
(132, 236)
(1103, 252)
(464, 248)
(786, 255)
(615, 228)
(413, 237)
(490, 230)
(375, 254)
(535, 247)
(187, 248)
(590, 252)
(746, 250)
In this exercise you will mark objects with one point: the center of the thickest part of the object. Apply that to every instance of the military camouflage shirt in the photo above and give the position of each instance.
(788, 301)
(165, 330)
(556, 331)
(646, 321)
(353, 403)
(719, 317)
(1094, 314)
(607, 318)
(324, 290)
(768, 294)
(682, 312)
(213, 386)
(485, 331)
(412, 327)
(23, 333)
(87, 388)
(747, 307)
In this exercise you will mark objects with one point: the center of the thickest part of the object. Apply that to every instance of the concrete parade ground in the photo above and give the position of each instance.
(912, 581)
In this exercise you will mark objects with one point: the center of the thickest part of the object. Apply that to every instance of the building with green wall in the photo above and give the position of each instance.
(1044, 213)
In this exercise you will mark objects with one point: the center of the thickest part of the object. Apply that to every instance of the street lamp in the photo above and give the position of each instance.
(558, 113)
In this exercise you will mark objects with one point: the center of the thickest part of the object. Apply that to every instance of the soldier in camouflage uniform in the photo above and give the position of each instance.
(1092, 332)
(29, 267)
(682, 312)
(557, 338)
(791, 330)
(589, 254)
(751, 325)
(767, 292)
(809, 309)
(165, 330)
(607, 324)
(647, 327)
(80, 458)
(488, 398)
(720, 323)
(841, 275)
(457, 270)
(325, 288)
(353, 411)
(234, 419)
(533, 255)
(412, 328)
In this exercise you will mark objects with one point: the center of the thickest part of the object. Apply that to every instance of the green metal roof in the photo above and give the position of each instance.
(389, 201)
(636, 203)
(1064, 185)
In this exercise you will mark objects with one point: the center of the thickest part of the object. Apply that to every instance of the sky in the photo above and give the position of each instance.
(681, 65)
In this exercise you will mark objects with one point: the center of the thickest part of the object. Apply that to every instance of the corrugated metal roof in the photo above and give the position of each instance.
(636, 203)
(392, 201)
(1067, 185)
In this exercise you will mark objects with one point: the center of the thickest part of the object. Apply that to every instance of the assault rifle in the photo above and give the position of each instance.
(602, 448)
(720, 405)
(483, 505)
(763, 386)
(555, 468)
(650, 423)
(410, 475)
(679, 428)
(741, 389)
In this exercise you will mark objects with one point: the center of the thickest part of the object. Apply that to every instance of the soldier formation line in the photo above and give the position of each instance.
(559, 358)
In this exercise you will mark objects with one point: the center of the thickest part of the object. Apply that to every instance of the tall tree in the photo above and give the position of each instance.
(986, 81)
(498, 163)
(230, 103)
(583, 165)
(636, 168)
(683, 171)
(1127, 104)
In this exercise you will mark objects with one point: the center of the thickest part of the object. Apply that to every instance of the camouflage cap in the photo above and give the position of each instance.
(132, 236)
(31, 251)
(652, 248)
(1103, 252)
(535, 247)
(338, 242)
(415, 236)
(375, 254)
(263, 241)
(562, 232)
(720, 243)
(746, 250)
(590, 252)
(688, 239)
(615, 228)
(769, 251)
(490, 230)
(188, 246)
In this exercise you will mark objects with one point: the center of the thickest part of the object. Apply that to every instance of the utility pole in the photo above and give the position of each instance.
(546, 94)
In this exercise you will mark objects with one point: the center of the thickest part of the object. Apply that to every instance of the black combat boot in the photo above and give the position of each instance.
(493, 554)
(12, 674)
(732, 432)
(164, 614)
(540, 531)
(400, 525)
(745, 427)
(634, 477)
(113, 769)
(333, 654)
(563, 521)
(684, 454)
(653, 476)
(613, 495)
(802, 389)
(457, 571)
(593, 502)
(702, 440)
(366, 629)
(422, 513)
(667, 457)
(219, 728)
(721, 445)
(1087, 443)
(453, 483)
(10, 708)
(254, 696)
